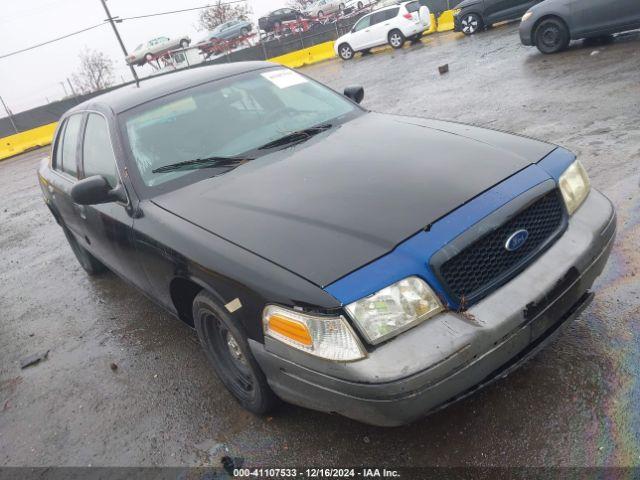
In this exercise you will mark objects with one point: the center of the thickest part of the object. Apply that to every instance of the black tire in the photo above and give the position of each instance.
(345, 51)
(320, 14)
(396, 39)
(341, 7)
(471, 23)
(244, 31)
(552, 36)
(360, 5)
(184, 43)
(148, 57)
(87, 261)
(225, 344)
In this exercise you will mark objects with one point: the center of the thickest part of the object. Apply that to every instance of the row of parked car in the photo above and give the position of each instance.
(548, 24)
(551, 24)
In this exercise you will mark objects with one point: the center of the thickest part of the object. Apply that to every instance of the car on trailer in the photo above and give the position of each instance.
(274, 19)
(378, 279)
(148, 51)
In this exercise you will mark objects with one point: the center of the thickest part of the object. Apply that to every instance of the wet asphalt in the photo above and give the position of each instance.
(575, 404)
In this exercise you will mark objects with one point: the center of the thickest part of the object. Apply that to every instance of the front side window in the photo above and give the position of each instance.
(70, 145)
(97, 153)
(363, 23)
(227, 118)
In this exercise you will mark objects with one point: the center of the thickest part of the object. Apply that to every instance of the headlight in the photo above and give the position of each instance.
(394, 309)
(323, 336)
(527, 16)
(575, 186)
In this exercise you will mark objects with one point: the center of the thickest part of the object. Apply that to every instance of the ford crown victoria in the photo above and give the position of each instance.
(376, 266)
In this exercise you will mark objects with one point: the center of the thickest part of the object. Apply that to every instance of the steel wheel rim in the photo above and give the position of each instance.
(233, 363)
(551, 36)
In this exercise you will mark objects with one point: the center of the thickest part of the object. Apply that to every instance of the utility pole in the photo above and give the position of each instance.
(115, 30)
(71, 87)
(13, 124)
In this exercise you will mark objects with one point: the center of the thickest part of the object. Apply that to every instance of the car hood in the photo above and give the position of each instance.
(467, 3)
(348, 196)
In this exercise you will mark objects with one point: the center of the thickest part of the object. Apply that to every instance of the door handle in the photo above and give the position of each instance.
(82, 211)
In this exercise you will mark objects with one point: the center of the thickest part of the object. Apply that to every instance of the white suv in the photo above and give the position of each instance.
(393, 25)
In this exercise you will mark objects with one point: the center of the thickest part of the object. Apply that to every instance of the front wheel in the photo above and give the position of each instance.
(87, 261)
(227, 348)
(396, 39)
(244, 31)
(345, 51)
(471, 23)
(552, 36)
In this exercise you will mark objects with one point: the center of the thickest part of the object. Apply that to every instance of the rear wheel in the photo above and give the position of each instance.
(552, 36)
(320, 14)
(471, 23)
(345, 51)
(360, 5)
(87, 261)
(148, 57)
(396, 39)
(341, 7)
(244, 31)
(226, 346)
(184, 43)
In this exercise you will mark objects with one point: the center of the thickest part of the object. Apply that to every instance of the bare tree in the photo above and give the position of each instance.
(221, 12)
(95, 72)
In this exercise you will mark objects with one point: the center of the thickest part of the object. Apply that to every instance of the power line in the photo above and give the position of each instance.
(51, 41)
(230, 2)
(118, 20)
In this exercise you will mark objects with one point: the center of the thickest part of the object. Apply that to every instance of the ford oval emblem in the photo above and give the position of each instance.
(516, 240)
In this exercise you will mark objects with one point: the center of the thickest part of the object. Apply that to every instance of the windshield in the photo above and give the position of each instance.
(227, 118)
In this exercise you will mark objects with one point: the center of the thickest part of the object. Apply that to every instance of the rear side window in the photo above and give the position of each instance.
(69, 146)
(379, 17)
(97, 153)
(412, 7)
(392, 13)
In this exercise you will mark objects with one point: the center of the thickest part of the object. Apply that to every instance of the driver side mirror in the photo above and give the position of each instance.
(96, 190)
(355, 93)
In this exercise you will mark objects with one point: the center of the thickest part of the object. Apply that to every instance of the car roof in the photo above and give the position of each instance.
(129, 96)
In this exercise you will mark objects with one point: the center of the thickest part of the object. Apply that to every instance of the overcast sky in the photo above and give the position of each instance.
(29, 79)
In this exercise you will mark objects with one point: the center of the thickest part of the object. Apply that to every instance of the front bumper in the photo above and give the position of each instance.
(453, 355)
(526, 32)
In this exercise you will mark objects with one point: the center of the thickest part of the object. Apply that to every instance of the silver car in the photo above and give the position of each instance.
(322, 8)
(145, 52)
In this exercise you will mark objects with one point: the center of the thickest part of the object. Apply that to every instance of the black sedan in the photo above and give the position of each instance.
(472, 16)
(375, 266)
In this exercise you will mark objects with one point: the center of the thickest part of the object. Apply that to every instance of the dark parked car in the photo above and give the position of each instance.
(552, 24)
(273, 20)
(471, 16)
(380, 280)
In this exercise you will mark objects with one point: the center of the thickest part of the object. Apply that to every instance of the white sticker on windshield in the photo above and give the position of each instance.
(284, 78)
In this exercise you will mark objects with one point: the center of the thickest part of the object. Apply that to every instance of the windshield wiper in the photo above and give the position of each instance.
(298, 136)
(209, 162)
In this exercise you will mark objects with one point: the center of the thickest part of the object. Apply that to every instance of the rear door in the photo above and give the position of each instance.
(65, 169)
(498, 10)
(108, 227)
(595, 16)
(384, 22)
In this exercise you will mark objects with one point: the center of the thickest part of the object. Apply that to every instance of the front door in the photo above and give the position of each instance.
(360, 36)
(108, 227)
(65, 167)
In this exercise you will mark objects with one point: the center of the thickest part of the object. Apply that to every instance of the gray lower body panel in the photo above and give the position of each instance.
(453, 355)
